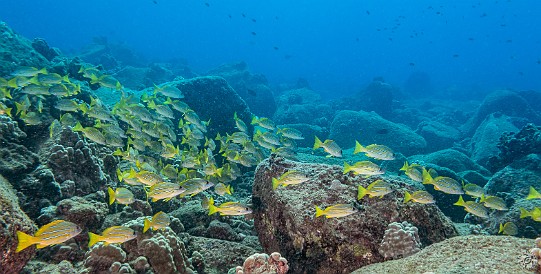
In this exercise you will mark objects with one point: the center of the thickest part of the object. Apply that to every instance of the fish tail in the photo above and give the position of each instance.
(93, 239)
(111, 195)
(361, 193)
(407, 197)
(524, 213)
(405, 166)
(347, 168)
(254, 120)
(78, 127)
(147, 225)
(501, 229)
(229, 190)
(358, 147)
(427, 178)
(534, 194)
(319, 211)
(460, 201)
(25, 241)
(212, 209)
(275, 183)
(317, 143)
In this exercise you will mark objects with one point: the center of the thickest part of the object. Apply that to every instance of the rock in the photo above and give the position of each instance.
(514, 146)
(101, 257)
(41, 46)
(17, 51)
(15, 158)
(302, 106)
(463, 254)
(213, 99)
(504, 102)
(222, 231)
(64, 267)
(400, 240)
(484, 143)
(252, 88)
(85, 213)
(138, 78)
(377, 97)
(13, 219)
(369, 128)
(451, 159)
(164, 251)
(438, 135)
(284, 219)
(261, 263)
(220, 255)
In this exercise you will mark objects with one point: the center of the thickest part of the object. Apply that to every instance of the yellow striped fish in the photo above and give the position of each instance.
(160, 220)
(112, 235)
(50, 234)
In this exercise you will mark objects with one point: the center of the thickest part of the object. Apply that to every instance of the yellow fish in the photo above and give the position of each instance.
(365, 168)
(50, 234)
(91, 133)
(379, 152)
(160, 220)
(472, 207)
(329, 146)
(508, 228)
(221, 189)
(378, 188)
(413, 171)
(165, 191)
(535, 214)
(419, 196)
(291, 177)
(228, 208)
(112, 235)
(264, 123)
(336, 211)
(121, 195)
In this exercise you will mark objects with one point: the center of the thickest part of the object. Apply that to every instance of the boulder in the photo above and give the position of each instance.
(253, 88)
(438, 135)
(514, 146)
(370, 128)
(451, 159)
(17, 51)
(12, 219)
(463, 254)
(285, 218)
(484, 144)
(212, 98)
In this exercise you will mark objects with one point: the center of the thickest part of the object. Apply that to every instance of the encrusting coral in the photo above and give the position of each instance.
(261, 263)
(400, 240)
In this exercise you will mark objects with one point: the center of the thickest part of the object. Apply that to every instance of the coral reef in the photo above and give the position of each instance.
(369, 128)
(261, 263)
(302, 106)
(15, 158)
(285, 222)
(400, 240)
(438, 135)
(462, 254)
(12, 219)
(101, 257)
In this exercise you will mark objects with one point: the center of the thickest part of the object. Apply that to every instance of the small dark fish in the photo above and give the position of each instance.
(251, 92)
(207, 4)
(357, 39)
(412, 64)
(382, 131)
(368, 12)
(244, 15)
(253, 20)
(509, 41)
(538, 61)
(253, 33)
(229, 15)
(455, 55)
(287, 56)
(275, 48)
(155, 2)
(471, 39)
(483, 15)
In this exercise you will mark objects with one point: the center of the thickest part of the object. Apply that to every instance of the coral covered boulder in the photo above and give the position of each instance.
(369, 128)
(286, 223)
(12, 219)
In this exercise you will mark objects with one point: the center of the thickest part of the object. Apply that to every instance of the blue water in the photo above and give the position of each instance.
(338, 46)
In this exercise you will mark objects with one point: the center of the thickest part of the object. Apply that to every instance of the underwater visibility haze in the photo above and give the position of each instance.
(270, 137)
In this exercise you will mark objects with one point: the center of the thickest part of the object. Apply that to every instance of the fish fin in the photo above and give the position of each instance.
(460, 201)
(147, 225)
(317, 143)
(25, 241)
(319, 211)
(407, 197)
(427, 178)
(347, 168)
(358, 147)
(524, 213)
(501, 228)
(111, 195)
(230, 188)
(78, 127)
(212, 208)
(534, 194)
(275, 183)
(93, 239)
(361, 193)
